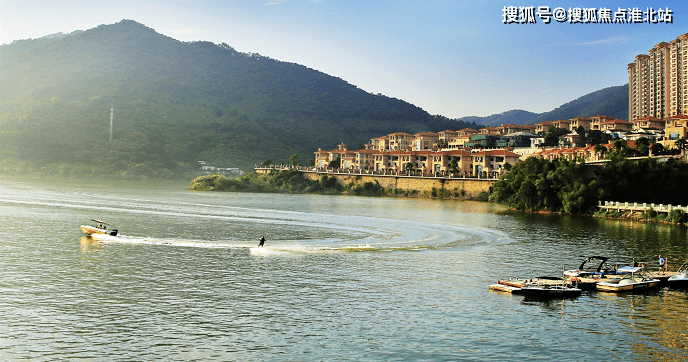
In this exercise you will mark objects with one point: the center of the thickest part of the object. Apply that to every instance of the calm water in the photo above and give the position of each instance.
(340, 278)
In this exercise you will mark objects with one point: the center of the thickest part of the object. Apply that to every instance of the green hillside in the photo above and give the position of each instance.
(175, 103)
(610, 101)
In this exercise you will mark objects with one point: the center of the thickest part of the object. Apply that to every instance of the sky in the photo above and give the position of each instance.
(449, 57)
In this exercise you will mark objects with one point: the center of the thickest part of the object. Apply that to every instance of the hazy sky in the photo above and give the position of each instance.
(453, 58)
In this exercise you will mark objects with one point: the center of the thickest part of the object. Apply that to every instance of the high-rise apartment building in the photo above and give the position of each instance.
(658, 81)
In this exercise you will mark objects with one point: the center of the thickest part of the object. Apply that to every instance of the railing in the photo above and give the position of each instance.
(615, 205)
(391, 173)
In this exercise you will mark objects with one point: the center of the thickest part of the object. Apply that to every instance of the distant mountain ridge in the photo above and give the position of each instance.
(176, 103)
(610, 101)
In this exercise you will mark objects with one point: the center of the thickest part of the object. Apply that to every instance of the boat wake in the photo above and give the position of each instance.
(279, 247)
(293, 226)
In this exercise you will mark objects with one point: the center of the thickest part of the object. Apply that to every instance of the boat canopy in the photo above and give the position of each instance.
(100, 221)
(629, 269)
(602, 259)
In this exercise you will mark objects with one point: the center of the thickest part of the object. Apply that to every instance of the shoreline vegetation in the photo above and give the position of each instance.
(293, 182)
(570, 187)
(676, 217)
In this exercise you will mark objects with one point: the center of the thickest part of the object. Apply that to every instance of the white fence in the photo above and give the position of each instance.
(634, 206)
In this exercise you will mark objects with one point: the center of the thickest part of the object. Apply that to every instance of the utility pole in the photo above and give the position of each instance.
(112, 114)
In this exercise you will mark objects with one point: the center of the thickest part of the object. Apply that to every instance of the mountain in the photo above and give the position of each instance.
(611, 101)
(176, 103)
(516, 116)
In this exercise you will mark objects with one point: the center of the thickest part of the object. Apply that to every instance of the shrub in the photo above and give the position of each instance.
(677, 216)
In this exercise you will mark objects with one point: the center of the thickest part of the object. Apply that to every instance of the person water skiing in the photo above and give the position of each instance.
(262, 241)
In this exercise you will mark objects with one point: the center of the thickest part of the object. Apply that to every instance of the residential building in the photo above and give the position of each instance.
(561, 123)
(400, 141)
(542, 127)
(447, 136)
(424, 141)
(597, 121)
(616, 125)
(658, 81)
(365, 159)
(648, 123)
(492, 162)
(489, 130)
(380, 143)
(461, 141)
(576, 122)
(485, 140)
(676, 127)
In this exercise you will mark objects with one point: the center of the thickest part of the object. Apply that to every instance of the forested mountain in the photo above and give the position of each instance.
(516, 116)
(175, 103)
(611, 101)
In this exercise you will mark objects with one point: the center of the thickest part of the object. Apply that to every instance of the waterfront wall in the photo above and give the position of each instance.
(471, 187)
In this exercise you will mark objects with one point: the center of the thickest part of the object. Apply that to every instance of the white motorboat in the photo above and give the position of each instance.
(99, 227)
(635, 279)
(680, 279)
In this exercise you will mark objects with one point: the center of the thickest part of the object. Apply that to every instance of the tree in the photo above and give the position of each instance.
(601, 149)
(596, 137)
(266, 163)
(681, 144)
(657, 149)
(582, 140)
(408, 167)
(294, 159)
(642, 144)
(454, 165)
(553, 134)
(336, 163)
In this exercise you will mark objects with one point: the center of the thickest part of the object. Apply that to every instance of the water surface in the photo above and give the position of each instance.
(341, 278)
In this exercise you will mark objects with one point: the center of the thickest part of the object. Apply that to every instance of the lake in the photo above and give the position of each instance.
(340, 278)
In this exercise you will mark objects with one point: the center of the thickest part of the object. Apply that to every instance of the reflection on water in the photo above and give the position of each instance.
(89, 244)
(352, 277)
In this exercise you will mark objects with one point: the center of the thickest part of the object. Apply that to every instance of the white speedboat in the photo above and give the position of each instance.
(98, 227)
(635, 279)
(680, 279)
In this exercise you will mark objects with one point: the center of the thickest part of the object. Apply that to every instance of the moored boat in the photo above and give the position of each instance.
(680, 279)
(505, 288)
(635, 279)
(601, 270)
(551, 291)
(98, 227)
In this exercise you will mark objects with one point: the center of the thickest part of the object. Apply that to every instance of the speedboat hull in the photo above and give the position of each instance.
(91, 230)
(679, 281)
(543, 291)
(623, 286)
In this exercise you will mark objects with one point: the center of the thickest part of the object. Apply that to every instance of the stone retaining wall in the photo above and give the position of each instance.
(471, 187)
